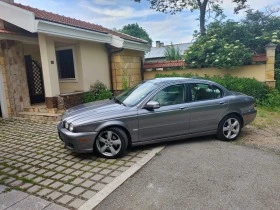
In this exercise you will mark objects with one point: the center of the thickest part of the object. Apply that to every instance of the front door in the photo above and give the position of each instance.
(170, 120)
(35, 80)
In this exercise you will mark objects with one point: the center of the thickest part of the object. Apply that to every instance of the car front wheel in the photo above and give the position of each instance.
(229, 128)
(111, 143)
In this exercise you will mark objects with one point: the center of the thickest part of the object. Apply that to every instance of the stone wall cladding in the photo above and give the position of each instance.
(67, 101)
(14, 75)
(126, 64)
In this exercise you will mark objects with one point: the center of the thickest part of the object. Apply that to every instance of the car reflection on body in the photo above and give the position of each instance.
(158, 110)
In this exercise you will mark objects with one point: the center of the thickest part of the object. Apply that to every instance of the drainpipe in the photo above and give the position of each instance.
(111, 52)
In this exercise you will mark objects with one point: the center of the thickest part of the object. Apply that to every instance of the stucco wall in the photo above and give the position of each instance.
(126, 65)
(33, 50)
(95, 64)
(253, 71)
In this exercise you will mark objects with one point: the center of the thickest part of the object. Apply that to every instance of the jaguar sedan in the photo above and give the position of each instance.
(158, 110)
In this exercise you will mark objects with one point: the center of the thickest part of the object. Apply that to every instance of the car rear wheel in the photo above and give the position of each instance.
(229, 128)
(111, 143)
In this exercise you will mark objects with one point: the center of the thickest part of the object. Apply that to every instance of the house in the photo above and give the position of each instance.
(157, 53)
(51, 60)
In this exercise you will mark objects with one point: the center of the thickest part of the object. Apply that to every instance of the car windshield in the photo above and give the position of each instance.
(134, 95)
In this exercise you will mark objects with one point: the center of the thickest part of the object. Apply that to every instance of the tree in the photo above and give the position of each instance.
(172, 53)
(174, 6)
(136, 31)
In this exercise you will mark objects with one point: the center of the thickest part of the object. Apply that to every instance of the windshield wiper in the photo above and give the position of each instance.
(118, 101)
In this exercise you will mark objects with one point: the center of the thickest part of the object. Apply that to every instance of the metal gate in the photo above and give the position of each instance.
(35, 80)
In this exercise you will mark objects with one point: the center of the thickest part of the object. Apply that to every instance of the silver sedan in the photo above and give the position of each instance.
(158, 110)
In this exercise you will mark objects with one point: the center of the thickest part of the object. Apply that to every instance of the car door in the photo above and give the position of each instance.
(206, 106)
(171, 119)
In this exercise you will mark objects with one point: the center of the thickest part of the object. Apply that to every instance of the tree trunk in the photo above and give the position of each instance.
(202, 8)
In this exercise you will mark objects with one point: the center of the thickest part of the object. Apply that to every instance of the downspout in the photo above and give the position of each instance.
(111, 52)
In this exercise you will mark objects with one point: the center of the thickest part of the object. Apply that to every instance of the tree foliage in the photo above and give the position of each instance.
(172, 53)
(136, 31)
(174, 6)
(229, 44)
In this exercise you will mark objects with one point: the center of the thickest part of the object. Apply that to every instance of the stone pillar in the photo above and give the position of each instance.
(270, 64)
(126, 67)
(49, 66)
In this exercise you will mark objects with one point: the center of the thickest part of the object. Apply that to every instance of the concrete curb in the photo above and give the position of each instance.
(101, 195)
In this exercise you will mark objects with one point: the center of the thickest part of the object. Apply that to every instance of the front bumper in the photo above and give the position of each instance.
(77, 142)
(249, 116)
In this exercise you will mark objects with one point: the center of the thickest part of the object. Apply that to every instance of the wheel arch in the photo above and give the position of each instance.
(234, 113)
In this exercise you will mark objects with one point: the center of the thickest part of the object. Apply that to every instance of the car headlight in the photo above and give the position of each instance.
(71, 127)
(66, 125)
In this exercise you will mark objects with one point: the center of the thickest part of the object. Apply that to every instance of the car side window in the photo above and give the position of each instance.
(202, 92)
(171, 95)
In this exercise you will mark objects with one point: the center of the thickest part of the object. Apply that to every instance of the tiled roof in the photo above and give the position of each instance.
(56, 18)
(159, 52)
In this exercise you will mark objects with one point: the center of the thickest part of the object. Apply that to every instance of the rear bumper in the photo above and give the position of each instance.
(77, 142)
(249, 116)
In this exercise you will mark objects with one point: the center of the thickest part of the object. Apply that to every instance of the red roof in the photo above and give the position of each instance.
(56, 18)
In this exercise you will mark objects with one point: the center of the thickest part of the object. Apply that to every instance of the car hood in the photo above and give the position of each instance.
(93, 111)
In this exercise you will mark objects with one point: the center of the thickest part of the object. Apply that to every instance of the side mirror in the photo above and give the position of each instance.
(152, 105)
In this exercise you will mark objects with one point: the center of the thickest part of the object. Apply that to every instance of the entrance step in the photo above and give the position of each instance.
(40, 110)
(48, 117)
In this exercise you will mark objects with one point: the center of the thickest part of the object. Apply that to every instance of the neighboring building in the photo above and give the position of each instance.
(52, 59)
(157, 53)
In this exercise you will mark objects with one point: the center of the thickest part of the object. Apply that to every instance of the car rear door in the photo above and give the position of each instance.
(170, 120)
(206, 105)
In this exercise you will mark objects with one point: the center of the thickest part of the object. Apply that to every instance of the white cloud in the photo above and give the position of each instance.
(105, 2)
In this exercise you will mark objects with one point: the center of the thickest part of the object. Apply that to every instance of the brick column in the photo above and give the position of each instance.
(49, 66)
(270, 64)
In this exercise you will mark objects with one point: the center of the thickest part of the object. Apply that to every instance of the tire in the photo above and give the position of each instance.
(229, 128)
(111, 143)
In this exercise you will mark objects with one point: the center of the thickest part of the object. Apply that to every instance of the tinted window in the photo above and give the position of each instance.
(201, 92)
(65, 64)
(171, 95)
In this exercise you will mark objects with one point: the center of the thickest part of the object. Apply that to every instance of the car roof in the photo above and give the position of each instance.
(179, 79)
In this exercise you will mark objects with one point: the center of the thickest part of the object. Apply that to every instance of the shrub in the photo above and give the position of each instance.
(277, 78)
(272, 99)
(98, 91)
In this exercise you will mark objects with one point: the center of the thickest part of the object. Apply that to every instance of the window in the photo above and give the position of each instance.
(65, 63)
(201, 92)
(171, 95)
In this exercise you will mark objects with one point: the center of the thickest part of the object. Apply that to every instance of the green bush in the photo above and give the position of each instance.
(277, 78)
(98, 91)
(248, 86)
(272, 99)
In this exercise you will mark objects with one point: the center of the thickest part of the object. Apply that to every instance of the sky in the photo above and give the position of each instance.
(162, 27)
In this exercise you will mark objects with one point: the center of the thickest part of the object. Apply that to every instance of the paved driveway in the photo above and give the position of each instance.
(202, 174)
(33, 160)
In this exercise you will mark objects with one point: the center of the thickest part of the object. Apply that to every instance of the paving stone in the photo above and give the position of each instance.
(27, 185)
(95, 170)
(86, 175)
(34, 189)
(94, 163)
(77, 203)
(44, 192)
(77, 191)
(69, 163)
(54, 206)
(51, 166)
(77, 173)
(86, 168)
(107, 179)
(77, 181)
(105, 171)
(65, 199)
(67, 178)
(9, 180)
(54, 195)
(113, 167)
(49, 173)
(60, 168)
(98, 187)
(56, 185)
(88, 194)
(87, 184)
(16, 183)
(116, 173)
(9, 198)
(77, 166)
(58, 176)
(103, 165)
(38, 179)
(66, 187)
(122, 168)
(97, 177)
(60, 162)
(68, 171)
(47, 182)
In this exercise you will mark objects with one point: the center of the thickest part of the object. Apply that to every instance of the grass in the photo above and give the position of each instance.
(267, 117)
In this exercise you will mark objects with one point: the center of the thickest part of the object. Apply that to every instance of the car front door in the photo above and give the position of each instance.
(171, 119)
(206, 106)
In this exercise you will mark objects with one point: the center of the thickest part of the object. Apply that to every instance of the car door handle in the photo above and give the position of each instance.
(182, 108)
(222, 102)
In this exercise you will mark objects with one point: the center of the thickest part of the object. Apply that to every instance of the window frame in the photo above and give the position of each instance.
(74, 63)
(168, 85)
(189, 97)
